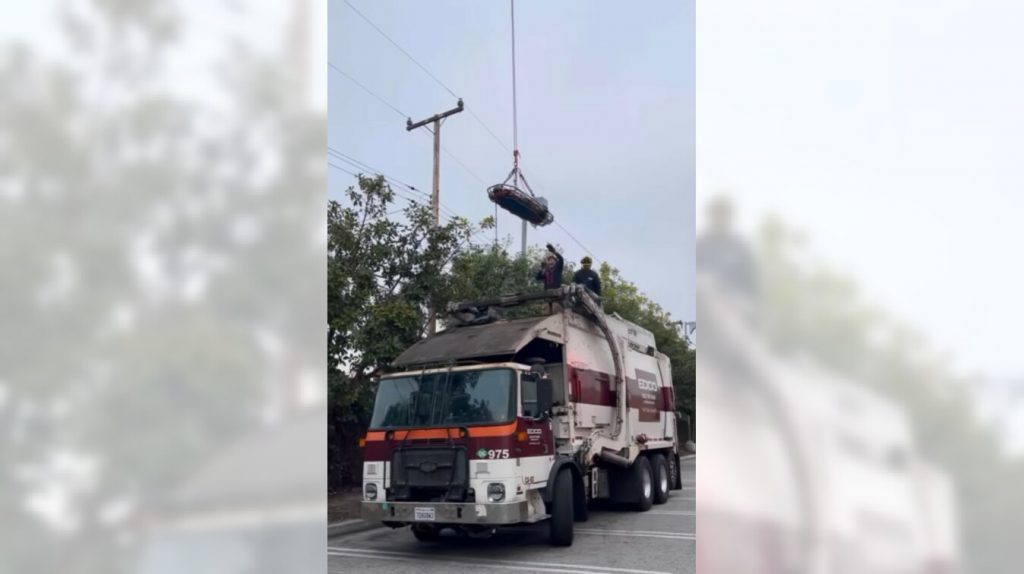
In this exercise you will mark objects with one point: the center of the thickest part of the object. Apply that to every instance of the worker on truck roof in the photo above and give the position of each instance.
(551, 269)
(588, 277)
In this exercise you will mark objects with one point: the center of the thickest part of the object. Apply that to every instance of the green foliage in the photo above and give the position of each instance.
(382, 277)
(481, 272)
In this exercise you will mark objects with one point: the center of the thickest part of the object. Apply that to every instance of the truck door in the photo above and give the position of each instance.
(534, 436)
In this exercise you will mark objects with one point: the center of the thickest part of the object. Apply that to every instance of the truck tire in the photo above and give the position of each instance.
(642, 483)
(662, 478)
(426, 532)
(561, 521)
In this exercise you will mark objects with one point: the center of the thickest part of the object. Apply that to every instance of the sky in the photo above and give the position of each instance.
(606, 120)
(891, 134)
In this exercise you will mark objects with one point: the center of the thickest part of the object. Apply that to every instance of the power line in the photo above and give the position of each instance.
(363, 165)
(393, 180)
(453, 94)
(448, 212)
(402, 50)
(428, 72)
(367, 90)
(482, 124)
(397, 192)
(464, 166)
(584, 247)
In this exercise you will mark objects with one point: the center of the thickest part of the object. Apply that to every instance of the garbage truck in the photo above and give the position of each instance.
(498, 421)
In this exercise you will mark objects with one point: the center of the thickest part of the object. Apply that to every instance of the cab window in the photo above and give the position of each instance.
(529, 398)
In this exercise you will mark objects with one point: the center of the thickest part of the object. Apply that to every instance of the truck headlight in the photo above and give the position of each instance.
(495, 492)
(371, 491)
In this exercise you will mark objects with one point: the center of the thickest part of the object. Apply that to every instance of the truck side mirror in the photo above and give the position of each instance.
(544, 395)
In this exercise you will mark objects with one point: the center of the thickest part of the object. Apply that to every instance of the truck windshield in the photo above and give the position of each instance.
(446, 398)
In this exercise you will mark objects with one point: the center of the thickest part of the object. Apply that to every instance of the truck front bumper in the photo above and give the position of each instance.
(449, 512)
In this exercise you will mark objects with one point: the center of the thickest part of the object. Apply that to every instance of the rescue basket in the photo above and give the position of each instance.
(521, 204)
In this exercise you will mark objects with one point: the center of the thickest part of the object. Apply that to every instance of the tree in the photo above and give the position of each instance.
(382, 276)
(480, 272)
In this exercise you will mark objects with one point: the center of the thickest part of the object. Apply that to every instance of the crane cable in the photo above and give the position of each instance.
(516, 172)
(515, 117)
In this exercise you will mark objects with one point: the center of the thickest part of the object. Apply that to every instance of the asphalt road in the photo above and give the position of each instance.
(659, 541)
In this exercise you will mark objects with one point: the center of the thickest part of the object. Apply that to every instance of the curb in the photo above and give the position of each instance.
(350, 527)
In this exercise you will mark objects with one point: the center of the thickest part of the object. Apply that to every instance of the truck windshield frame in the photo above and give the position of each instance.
(446, 399)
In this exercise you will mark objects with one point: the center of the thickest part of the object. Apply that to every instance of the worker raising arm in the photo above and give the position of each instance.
(551, 269)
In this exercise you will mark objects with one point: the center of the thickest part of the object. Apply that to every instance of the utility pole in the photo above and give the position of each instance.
(524, 238)
(435, 196)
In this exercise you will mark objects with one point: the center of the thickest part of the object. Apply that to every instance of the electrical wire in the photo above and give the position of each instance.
(401, 49)
(571, 236)
(464, 166)
(365, 165)
(489, 130)
(515, 119)
(428, 72)
(393, 180)
(367, 90)
(457, 160)
(447, 213)
(398, 193)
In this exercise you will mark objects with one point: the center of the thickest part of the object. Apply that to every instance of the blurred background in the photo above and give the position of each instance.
(162, 382)
(858, 190)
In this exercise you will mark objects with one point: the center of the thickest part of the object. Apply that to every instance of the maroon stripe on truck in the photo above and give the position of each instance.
(668, 399)
(594, 388)
(591, 387)
(539, 442)
(381, 450)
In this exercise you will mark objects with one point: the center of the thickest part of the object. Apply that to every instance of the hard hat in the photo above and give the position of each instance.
(586, 260)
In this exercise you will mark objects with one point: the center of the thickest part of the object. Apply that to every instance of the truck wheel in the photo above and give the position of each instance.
(426, 532)
(561, 530)
(662, 479)
(642, 482)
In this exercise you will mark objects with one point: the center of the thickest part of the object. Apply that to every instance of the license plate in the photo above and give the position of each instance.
(424, 513)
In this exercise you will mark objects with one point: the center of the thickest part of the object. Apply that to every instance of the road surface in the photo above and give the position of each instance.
(659, 541)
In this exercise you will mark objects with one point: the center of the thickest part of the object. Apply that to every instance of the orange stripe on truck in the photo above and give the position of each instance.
(453, 432)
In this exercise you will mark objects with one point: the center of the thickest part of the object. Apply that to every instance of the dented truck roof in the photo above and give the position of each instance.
(478, 341)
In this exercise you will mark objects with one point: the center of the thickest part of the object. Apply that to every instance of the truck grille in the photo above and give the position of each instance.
(429, 474)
